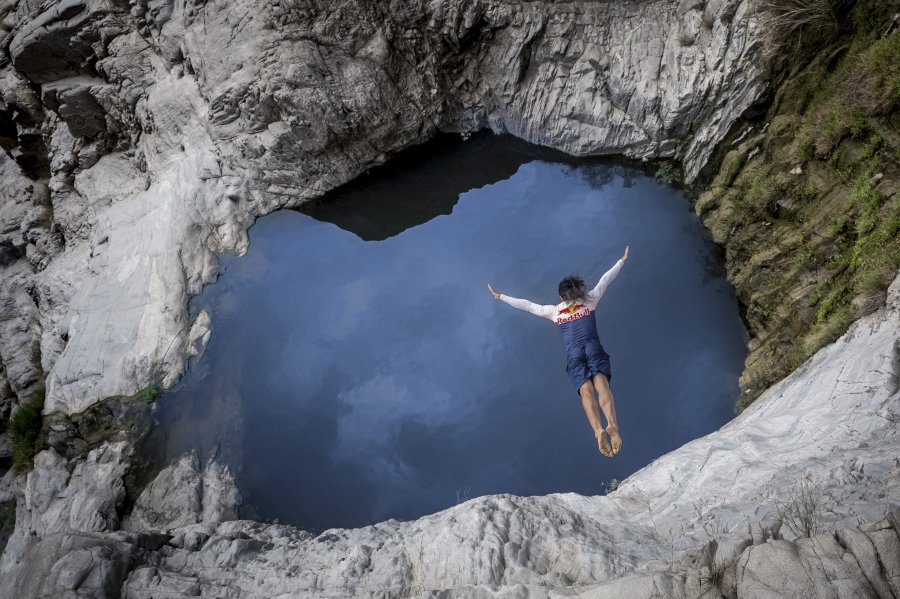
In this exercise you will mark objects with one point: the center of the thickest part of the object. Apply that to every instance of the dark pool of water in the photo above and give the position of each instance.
(350, 381)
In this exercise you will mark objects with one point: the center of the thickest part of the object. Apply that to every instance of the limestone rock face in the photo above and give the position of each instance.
(182, 495)
(146, 138)
(863, 562)
(58, 499)
(61, 496)
(25, 235)
(820, 566)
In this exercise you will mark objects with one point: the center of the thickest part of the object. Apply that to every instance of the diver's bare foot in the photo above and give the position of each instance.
(614, 437)
(603, 443)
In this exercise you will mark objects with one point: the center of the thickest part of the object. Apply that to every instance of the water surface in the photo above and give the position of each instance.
(359, 370)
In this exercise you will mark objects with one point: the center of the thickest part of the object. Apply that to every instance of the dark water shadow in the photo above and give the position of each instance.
(421, 183)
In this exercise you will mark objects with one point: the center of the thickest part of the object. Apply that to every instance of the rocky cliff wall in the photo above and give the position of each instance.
(806, 203)
(147, 137)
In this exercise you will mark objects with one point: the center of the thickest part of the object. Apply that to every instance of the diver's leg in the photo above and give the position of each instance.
(608, 405)
(591, 410)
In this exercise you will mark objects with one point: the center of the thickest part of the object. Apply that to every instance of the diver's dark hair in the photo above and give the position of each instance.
(572, 289)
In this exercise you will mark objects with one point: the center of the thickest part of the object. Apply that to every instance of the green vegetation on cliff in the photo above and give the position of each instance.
(805, 203)
(24, 429)
(148, 394)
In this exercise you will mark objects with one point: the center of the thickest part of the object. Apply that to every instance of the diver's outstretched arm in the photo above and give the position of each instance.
(543, 311)
(598, 291)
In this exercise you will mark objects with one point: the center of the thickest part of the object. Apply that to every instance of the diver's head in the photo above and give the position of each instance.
(572, 289)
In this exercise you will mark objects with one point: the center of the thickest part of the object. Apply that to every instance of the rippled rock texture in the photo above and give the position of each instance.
(148, 136)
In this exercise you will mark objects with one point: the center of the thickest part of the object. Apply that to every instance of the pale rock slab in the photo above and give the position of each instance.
(182, 495)
(58, 498)
(199, 334)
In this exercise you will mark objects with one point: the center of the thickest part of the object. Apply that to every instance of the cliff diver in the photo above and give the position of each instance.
(587, 363)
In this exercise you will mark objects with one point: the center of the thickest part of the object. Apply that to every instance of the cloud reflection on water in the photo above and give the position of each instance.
(350, 381)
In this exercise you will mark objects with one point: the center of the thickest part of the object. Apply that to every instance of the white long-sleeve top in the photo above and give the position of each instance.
(568, 311)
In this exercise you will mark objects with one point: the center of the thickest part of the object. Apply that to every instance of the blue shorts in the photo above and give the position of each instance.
(585, 361)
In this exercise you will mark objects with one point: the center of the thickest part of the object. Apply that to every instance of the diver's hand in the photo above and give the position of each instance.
(494, 293)
(625, 255)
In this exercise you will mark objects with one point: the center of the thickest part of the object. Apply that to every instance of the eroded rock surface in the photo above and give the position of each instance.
(183, 494)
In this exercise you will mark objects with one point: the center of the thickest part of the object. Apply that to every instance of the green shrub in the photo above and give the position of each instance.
(831, 302)
(841, 118)
(149, 393)
(828, 330)
(864, 84)
(877, 251)
(764, 191)
(804, 257)
(868, 15)
(874, 146)
(867, 201)
(833, 118)
(818, 293)
(857, 122)
(836, 228)
(883, 68)
(24, 430)
(669, 173)
(888, 231)
(838, 261)
(791, 27)
(806, 194)
(803, 143)
(760, 311)
(870, 282)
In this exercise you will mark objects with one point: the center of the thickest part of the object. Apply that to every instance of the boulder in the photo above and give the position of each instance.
(182, 494)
